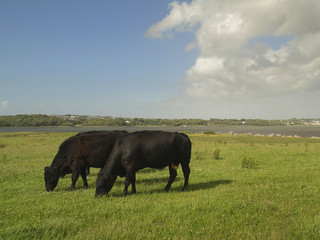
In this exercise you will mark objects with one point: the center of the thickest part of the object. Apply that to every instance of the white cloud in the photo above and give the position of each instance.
(6, 107)
(11, 108)
(207, 66)
(228, 67)
(182, 17)
(4, 103)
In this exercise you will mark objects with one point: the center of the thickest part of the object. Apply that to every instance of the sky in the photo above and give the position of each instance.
(161, 59)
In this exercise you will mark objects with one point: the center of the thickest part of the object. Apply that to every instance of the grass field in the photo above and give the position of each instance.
(241, 187)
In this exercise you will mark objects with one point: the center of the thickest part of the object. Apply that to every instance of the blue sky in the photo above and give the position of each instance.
(86, 58)
(152, 59)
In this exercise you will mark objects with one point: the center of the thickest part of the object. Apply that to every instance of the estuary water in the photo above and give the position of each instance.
(302, 131)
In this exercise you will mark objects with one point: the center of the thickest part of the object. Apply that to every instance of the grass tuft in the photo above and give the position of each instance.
(249, 163)
(216, 154)
(209, 132)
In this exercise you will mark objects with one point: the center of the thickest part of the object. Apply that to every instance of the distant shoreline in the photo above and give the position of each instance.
(301, 131)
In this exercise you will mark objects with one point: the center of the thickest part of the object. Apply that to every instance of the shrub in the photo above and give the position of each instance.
(4, 157)
(208, 132)
(216, 154)
(249, 163)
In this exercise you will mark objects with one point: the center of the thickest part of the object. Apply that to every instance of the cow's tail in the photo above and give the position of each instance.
(184, 144)
(187, 155)
(185, 147)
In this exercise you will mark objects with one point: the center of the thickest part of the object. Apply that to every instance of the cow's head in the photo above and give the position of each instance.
(101, 185)
(50, 179)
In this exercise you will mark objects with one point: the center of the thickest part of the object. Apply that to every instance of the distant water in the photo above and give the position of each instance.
(302, 131)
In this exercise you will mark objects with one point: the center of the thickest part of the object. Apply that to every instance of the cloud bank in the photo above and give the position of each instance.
(237, 55)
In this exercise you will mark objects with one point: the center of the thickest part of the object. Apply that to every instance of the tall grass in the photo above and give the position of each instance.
(277, 199)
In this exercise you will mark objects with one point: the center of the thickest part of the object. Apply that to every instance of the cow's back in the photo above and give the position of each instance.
(92, 147)
(96, 148)
(156, 149)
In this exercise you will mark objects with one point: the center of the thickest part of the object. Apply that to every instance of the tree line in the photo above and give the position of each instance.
(33, 120)
(38, 120)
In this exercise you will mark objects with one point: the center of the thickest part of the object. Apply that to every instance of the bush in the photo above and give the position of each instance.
(216, 154)
(249, 163)
(208, 132)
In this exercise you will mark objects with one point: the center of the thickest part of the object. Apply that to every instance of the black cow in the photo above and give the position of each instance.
(78, 153)
(138, 150)
(92, 132)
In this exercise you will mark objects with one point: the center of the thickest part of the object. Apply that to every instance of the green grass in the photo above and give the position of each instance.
(278, 198)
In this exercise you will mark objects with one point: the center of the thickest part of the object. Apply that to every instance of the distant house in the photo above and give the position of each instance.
(315, 122)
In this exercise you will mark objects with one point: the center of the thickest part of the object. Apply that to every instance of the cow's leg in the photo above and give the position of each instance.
(74, 177)
(173, 174)
(133, 183)
(186, 173)
(84, 177)
(129, 179)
